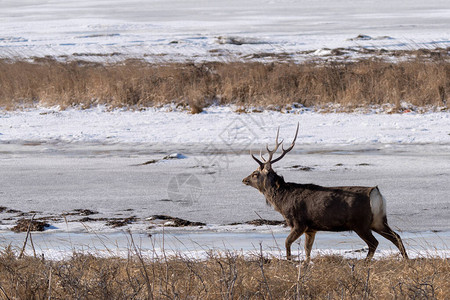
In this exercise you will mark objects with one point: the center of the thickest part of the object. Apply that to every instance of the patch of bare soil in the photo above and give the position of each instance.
(261, 222)
(302, 168)
(22, 225)
(114, 223)
(175, 222)
(81, 212)
(89, 219)
(167, 157)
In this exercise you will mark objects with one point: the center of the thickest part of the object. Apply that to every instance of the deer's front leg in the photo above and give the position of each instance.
(295, 234)
(309, 241)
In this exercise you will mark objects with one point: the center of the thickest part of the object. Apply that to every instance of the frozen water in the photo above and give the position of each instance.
(414, 181)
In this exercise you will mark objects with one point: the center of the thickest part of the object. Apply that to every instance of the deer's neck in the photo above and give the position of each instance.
(273, 192)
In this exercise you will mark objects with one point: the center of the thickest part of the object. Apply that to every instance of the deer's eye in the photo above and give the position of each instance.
(255, 175)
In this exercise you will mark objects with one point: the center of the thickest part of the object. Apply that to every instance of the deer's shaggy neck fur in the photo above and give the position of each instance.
(272, 187)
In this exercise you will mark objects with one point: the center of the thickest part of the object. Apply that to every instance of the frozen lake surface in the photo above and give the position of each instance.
(208, 188)
(112, 163)
(187, 30)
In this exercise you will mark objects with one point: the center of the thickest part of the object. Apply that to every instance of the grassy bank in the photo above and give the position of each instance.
(420, 82)
(225, 276)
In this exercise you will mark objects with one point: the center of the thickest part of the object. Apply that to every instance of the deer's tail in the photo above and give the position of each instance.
(378, 207)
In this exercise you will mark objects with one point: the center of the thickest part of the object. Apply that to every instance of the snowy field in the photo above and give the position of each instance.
(163, 130)
(112, 162)
(180, 30)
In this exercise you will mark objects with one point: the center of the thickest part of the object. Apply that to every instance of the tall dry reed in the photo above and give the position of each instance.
(139, 84)
(221, 276)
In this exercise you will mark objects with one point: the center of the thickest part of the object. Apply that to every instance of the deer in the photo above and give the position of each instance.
(309, 208)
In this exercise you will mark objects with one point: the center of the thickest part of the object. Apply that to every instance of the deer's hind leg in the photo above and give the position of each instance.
(295, 233)
(391, 235)
(370, 240)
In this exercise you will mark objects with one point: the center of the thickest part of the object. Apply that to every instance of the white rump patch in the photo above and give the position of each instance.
(378, 206)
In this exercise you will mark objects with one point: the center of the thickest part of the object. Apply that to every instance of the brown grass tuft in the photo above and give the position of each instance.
(134, 83)
(221, 276)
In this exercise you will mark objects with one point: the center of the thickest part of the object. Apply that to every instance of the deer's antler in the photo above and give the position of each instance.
(261, 164)
(272, 152)
(282, 147)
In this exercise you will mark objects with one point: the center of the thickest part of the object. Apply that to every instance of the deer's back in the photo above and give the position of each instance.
(327, 208)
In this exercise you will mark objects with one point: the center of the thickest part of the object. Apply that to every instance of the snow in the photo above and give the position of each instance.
(160, 130)
(180, 30)
(195, 245)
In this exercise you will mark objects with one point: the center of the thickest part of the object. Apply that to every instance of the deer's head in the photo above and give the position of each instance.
(264, 177)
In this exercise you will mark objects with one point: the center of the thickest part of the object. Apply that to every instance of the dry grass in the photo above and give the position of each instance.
(223, 276)
(421, 82)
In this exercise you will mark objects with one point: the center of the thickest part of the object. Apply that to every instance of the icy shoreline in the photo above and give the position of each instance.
(200, 245)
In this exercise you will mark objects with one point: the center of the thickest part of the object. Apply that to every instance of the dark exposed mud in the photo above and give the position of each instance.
(175, 222)
(261, 222)
(23, 224)
(81, 212)
(302, 168)
(114, 223)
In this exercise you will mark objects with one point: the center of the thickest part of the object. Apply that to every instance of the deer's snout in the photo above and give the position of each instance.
(246, 181)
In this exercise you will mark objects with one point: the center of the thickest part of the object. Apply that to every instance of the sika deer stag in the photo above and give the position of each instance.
(308, 208)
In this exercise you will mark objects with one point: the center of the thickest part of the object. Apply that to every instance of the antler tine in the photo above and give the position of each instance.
(262, 157)
(288, 149)
(277, 144)
(261, 164)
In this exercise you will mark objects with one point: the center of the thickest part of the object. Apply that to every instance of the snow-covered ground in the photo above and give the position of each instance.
(219, 127)
(180, 30)
(200, 245)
